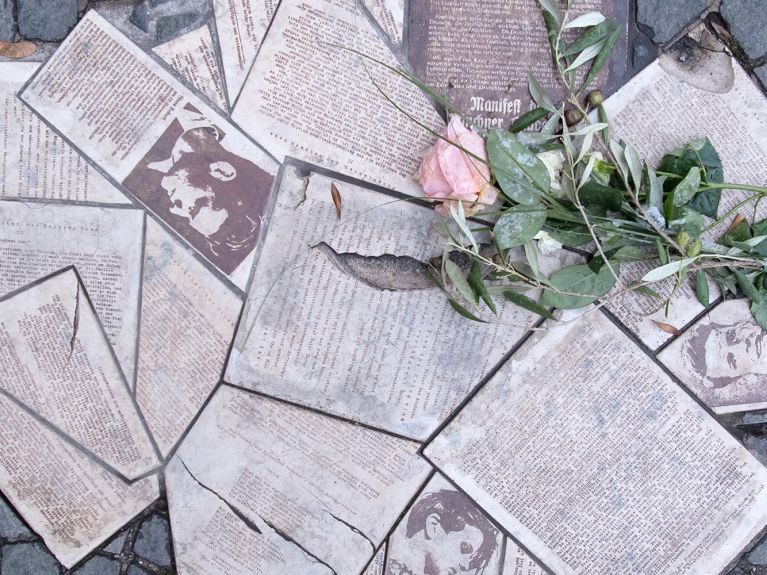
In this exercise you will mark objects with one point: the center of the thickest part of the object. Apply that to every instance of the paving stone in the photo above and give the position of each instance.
(11, 527)
(758, 555)
(666, 19)
(747, 20)
(28, 559)
(99, 566)
(165, 19)
(761, 73)
(136, 570)
(48, 20)
(116, 545)
(168, 27)
(757, 445)
(152, 542)
(7, 22)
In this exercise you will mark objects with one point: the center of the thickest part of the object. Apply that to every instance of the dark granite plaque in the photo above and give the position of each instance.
(479, 54)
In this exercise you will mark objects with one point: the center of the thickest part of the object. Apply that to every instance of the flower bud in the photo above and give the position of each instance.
(683, 239)
(595, 98)
(573, 117)
(694, 248)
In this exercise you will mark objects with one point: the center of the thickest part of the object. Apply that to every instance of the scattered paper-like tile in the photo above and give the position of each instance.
(34, 161)
(39, 238)
(376, 566)
(188, 315)
(305, 81)
(722, 359)
(58, 364)
(72, 502)
(343, 316)
(584, 450)
(330, 489)
(193, 56)
(390, 15)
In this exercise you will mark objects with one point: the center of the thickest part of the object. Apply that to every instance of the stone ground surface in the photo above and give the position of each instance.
(144, 546)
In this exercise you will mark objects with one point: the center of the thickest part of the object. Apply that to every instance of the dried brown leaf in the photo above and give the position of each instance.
(17, 49)
(336, 199)
(738, 218)
(668, 328)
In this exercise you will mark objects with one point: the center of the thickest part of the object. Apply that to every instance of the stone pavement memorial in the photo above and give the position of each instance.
(222, 352)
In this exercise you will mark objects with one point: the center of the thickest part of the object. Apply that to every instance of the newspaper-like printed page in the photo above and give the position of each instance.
(241, 25)
(187, 164)
(309, 96)
(57, 363)
(38, 238)
(97, 503)
(344, 316)
(679, 112)
(376, 566)
(390, 15)
(583, 449)
(193, 56)
(329, 488)
(188, 316)
(479, 54)
(34, 161)
(722, 359)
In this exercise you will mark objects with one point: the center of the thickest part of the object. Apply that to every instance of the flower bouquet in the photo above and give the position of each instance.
(570, 184)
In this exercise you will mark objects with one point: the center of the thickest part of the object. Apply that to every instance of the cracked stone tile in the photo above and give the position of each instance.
(11, 526)
(761, 73)
(117, 544)
(153, 541)
(47, 20)
(7, 20)
(97, 502)
(326, 487)
(99, 566)
(28, 559)
(76, 385)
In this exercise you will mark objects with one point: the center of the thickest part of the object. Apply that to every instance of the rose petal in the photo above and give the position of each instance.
(431, 178)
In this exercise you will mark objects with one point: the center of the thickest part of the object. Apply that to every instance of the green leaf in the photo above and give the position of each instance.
(644, 290)
(527, 303)
(759, 309)
(577, 279)
(552, 7)
(463, 311)
(667, 270)
(459, 216)
(479, 287)
(738, 233)
(569, 234)
(595, 193)
(629, 254)
(461, 284)
(601, 58)
(747, 286)
(687, 188)
(591, 36)
(701, 288)
(707, 202)
(655, 191)
(528, 119)
(699, 153)
(518, 225)
(634, 165)
(687, 220)
(588, 54)
(585, 20)
(602, 113)
(532, 260)
(539, 96)
(518, 170)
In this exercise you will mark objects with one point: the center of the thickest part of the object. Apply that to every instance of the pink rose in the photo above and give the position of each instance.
(448, 172)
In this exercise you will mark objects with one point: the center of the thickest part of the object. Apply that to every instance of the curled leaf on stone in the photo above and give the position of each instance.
(667, 327)
(336, 199)
(17, 50)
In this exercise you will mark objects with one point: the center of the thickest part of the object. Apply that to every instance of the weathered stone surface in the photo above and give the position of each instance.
(758, 555)
(666, 19)
(165, 19)
(7, 21)
(116, 545)
(747, 20)
(136, 570)
(48, 20)
(99, 566)
(28, 559)
(153, 541)
(761, 73)
(169, 27)
(11, 527)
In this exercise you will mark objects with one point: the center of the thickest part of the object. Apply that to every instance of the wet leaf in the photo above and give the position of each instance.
(17, 49)
(667, 327)
(520, 173)
(582, 285)
(336, 199)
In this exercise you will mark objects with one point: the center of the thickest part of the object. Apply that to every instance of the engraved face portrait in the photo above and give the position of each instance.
(444, 534)
(724, 354)
(211, 196)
